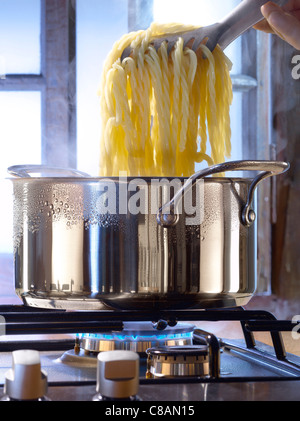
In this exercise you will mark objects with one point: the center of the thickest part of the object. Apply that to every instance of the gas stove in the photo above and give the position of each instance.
(177, 360)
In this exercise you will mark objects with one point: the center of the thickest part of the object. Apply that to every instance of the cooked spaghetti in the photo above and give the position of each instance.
(159, 112)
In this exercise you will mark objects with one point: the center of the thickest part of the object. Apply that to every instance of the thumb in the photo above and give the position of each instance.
(284, 24)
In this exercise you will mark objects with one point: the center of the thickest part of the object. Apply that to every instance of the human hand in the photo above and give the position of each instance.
(285, 21)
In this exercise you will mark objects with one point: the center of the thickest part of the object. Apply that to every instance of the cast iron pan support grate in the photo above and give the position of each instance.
(22, 320)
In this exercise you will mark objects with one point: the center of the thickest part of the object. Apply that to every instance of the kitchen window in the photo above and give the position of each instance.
(37, 98)
(49, 108)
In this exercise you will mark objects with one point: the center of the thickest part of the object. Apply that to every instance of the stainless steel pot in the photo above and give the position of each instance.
(89, 243)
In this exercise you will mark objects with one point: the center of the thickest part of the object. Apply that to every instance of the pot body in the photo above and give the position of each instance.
(91, 243)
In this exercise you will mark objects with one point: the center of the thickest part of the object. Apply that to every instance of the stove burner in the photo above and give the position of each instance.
(177, 361)
(137, 337)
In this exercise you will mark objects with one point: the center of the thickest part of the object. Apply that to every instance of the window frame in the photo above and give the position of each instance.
(58, 107)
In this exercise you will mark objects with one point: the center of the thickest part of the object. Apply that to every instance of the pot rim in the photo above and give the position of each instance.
(148, 179)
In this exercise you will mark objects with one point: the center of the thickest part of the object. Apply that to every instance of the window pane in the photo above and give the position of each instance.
(20, 36)
(99, 25)
(20, 134)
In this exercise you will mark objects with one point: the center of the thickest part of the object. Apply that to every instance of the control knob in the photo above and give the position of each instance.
(25, 380)
(117, 375)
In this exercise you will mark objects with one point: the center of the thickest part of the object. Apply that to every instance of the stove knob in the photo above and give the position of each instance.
(25, 380)
(117, 375)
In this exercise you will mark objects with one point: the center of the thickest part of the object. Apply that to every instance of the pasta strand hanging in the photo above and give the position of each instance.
(159, 111)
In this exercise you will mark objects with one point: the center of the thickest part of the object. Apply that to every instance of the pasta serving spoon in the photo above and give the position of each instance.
(239, 20)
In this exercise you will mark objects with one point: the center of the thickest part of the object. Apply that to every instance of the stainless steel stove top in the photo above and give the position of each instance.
(229, 369)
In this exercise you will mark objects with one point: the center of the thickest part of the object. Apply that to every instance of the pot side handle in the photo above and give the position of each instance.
(167, 216)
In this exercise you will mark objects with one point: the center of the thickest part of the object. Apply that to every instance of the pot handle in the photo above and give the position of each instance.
(168, 217)
(24, 171)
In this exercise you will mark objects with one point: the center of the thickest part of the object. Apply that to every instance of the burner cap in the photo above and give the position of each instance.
(178, 361)
(138, 337)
